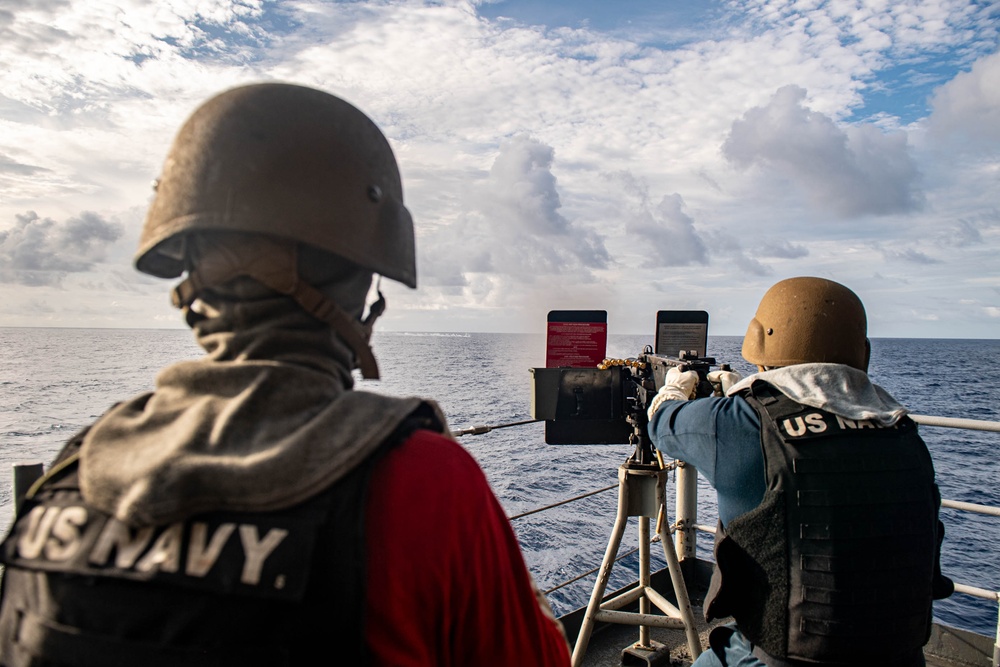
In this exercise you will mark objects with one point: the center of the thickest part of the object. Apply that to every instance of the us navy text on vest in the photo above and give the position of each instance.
(55, 534)
(814, 423)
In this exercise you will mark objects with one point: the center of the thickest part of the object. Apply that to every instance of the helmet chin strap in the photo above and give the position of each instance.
(273, 263)
(375, 310)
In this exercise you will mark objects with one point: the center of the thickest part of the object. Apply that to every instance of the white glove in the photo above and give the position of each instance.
(677, 386)
(723, 380)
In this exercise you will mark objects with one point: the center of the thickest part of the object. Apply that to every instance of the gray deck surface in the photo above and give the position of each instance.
(947, 647)
(606, 648)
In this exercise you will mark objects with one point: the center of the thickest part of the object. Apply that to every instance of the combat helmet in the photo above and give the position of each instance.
(807, 320)
(290, 165)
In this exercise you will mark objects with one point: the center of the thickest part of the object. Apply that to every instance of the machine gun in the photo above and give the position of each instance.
(656, 366)
(608, 404)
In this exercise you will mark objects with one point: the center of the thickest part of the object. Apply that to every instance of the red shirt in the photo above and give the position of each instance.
(447, 582)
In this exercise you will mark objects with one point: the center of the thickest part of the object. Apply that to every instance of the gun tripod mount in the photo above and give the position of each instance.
(641, 493)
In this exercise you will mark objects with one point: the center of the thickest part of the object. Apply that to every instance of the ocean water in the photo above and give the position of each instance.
(54, 382)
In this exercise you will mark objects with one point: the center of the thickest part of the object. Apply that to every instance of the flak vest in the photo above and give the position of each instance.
(839, 563)
(218, 589)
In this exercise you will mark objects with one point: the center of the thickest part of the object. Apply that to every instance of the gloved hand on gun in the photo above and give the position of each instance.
(681, 386)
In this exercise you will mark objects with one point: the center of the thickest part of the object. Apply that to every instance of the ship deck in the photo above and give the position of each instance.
(948, 647)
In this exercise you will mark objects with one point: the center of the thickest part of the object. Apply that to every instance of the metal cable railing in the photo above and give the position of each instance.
(562, 502)
(591, 571)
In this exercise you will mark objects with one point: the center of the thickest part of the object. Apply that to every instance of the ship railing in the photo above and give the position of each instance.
(686, 527)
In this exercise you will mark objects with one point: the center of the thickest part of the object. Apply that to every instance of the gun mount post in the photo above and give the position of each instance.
(641, 493)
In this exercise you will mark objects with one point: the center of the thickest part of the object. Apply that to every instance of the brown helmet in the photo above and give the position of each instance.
(279, 166)
(804, 320)
(286, 161)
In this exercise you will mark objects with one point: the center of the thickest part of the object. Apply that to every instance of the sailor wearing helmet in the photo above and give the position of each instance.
(828, 539)
(255, 509)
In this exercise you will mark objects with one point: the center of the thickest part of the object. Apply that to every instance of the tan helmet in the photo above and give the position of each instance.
(279, 166)
(808, 320)
(286, 161)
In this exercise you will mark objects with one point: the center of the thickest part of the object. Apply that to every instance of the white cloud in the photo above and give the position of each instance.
(9, 165)
(910, 255)
(880, 28)
(850, 171)
(730, 252)
(782, 249)
(506, 134)
(513, 226)
(664, 234)
(968, 106)
(40, 251)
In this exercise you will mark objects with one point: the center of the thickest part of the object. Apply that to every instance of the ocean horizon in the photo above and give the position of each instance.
(55, 381)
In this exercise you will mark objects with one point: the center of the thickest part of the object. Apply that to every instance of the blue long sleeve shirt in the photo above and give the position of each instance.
(721, 438)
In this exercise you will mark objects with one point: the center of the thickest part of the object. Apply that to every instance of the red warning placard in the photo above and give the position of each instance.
(576, 338)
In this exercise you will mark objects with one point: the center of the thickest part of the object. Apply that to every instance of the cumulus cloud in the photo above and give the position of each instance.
(850, 172)
(665, 234)
(40, 251)
(969, 105)
(512, 225)
(728, 249)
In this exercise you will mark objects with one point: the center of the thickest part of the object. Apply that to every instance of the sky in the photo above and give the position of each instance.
(628, 156)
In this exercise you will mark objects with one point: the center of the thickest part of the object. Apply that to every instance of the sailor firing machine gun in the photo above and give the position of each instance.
(607, 402)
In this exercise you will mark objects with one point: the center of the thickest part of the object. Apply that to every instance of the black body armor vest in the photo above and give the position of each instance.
(219, 589)
(838, 565)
